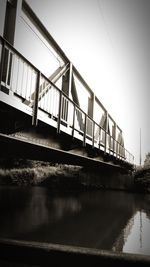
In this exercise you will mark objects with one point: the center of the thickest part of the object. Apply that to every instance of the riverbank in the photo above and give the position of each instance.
(33, 173)
(142, 180)
(64, 178)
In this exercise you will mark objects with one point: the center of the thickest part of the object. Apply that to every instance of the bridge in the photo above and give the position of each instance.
(42, 113)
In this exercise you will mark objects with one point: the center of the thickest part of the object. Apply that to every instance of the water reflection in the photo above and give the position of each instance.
(135, 237)
(138, 240)
(117, 221)
(62, 207)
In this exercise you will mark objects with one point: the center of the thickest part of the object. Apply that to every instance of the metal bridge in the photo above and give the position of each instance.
(40, 98)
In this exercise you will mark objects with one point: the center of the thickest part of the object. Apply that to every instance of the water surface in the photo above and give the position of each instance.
(109, 220)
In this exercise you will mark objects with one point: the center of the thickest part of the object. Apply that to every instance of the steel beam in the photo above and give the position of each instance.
(31, 14)
(20, 148)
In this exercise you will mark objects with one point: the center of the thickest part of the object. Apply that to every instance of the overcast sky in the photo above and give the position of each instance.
(109, 43)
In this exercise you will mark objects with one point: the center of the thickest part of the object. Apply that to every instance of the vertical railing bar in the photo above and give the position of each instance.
(44, 98)
(93, 134)
(65, 109)
(54, 104)
(22, 79)
(51, 105)
(49, 102)
(9, 69)
(113, 146)
(59, 113)
(11, 77)
(47, 92)
(62, 107)
(17, 74)
(27, 81)
(47, 98)
(69, 113)
(109, 144)
(116, 149)
(2, 61)
(87, 122)
(99, 136)
(30, 91)
(36, 101)
(39, 100)
(84, 135)
(105, 141)
(73, 123)
(8, 62)
(46, 95)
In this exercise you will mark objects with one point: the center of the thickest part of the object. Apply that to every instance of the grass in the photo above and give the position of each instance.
(25, 173)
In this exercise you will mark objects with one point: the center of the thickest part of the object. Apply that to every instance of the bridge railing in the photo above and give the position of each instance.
(19, 76)
(21, 79)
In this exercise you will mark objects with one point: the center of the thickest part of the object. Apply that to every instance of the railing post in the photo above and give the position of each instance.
(117, 149)
(93, 134)
(36, 100)
(109, 144)
(106, 130)
(2, 61)
(59, 113)
(99, 136)
(105, 142)
(73, 124)
(114, 140)
(84, 136)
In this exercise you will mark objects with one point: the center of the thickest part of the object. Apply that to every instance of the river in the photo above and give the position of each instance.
(112, 220)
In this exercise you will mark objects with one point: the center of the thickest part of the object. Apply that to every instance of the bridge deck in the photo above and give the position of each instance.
(14, 147)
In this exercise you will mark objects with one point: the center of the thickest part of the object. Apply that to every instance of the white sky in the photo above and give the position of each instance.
(109, 43)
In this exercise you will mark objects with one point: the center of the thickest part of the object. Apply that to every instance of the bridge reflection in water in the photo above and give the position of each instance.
(103, 220)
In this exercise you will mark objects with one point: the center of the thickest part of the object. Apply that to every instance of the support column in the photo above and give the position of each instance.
(17, 22)
(91, 102)
(67, 81)
(12, 15)
(66, 88)
(2, 15)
